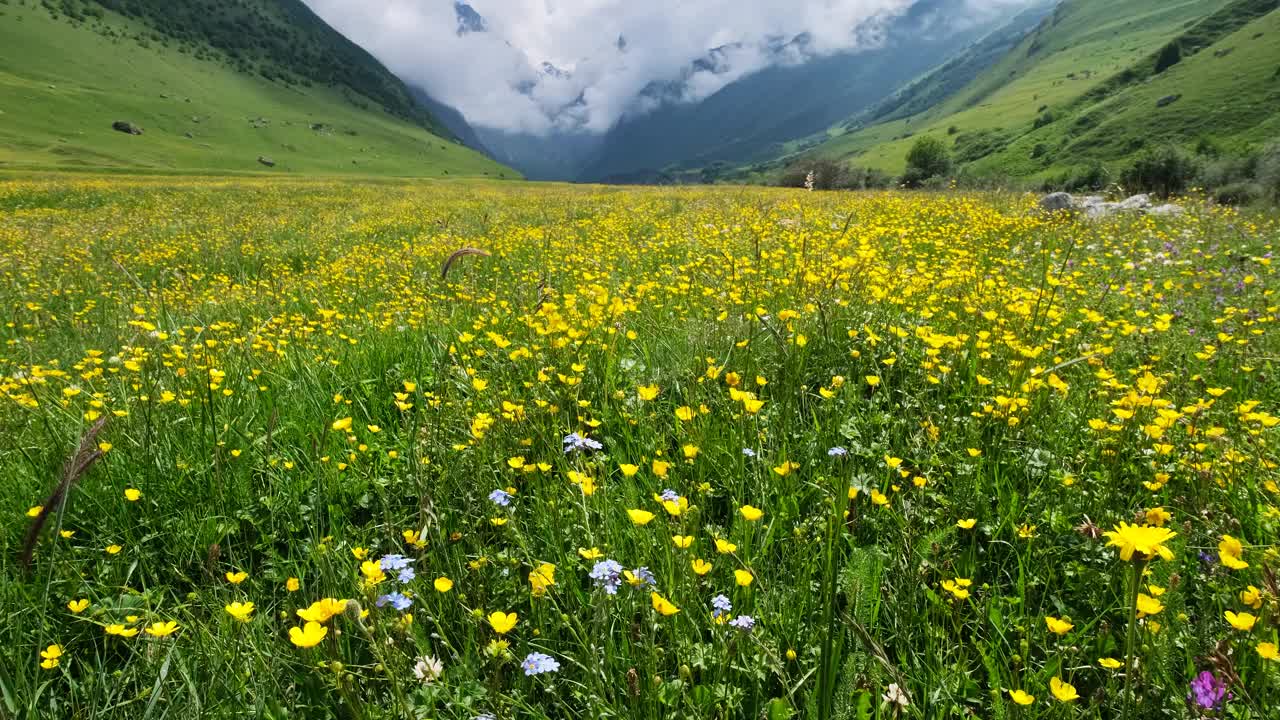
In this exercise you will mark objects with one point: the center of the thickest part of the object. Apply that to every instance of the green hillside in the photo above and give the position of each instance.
(1083, 87)
(66, 77)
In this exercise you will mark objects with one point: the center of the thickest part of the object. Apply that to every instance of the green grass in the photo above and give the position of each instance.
(62, 85)
(1085, 43)
(290, 384)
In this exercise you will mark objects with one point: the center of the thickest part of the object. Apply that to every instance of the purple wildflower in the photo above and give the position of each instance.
(743, 623)
(1208, 691)
(502, 498)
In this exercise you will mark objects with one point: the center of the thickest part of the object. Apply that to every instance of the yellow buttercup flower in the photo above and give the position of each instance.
(1110, 663)
(121, 630)
(743, 577)
(501, 622)
(724, 547)
(1058, 626)
(321, 610)
(640, 517)
(1148, 605)
(751, 514)
(162, 629)
(132, 494)
(1146, 540)
(1021, 697)
(235, 578)
(701, 567)
(51, 657)
(1268, 651)
(442, 584)
(78, 606)
(682, 541)
(541, 578)
(308, 635)
(1230, 551)
(662, 605)
(1063, 691)
(242, 611)
(591, 554)
(1241, 621)
(966, 524)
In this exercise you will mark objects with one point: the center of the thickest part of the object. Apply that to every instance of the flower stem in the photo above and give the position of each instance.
(1129, 641)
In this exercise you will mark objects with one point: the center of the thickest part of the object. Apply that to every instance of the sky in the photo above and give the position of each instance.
(548, 66)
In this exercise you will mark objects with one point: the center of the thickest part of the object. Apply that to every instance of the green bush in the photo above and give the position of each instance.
(1241, 193)
(1164, 171)
(928, 158)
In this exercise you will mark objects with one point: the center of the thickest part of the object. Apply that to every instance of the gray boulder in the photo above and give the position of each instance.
(1136, 202)
(1168, 100)
(127, 128)
(1055, 202)
(266, 161)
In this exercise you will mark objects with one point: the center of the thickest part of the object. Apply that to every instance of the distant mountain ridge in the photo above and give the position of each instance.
(754, 118)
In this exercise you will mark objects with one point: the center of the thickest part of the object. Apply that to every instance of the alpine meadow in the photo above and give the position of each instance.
(312, 408)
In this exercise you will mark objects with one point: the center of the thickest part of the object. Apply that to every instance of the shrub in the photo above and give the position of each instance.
(831, 175)
(1169, 56)
(1241, 193)
(1163, 171)
(928, 158)
(1268, 172)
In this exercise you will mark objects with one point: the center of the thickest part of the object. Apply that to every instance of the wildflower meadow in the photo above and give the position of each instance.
(314, 449)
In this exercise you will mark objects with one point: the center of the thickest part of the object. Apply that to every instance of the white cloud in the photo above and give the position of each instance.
(497, 77)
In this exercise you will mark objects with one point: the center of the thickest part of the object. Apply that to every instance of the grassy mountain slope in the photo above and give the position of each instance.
(1227, 92)
(64, 81)
(1079, 49)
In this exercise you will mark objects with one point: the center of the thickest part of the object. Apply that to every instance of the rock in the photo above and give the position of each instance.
(1100, 210)
(1096, 207)
(266, 161)
(1168, 100)
(126, 127)
(1136, 202)
(1054, 202)
(188, 135)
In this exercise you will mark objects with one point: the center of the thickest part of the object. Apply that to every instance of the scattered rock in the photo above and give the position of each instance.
(1168, 100)
(1136, 202)
(1094, 207)
(126, 127)
(266, 161)
(188, 135)
(1053, 202)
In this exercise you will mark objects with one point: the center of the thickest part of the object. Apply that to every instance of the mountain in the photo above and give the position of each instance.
(556, 156)
(450, 117)
(1096, 83)
(756, 117)
(214, 85)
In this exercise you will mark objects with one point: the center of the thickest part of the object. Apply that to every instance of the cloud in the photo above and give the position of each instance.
(542, 66)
